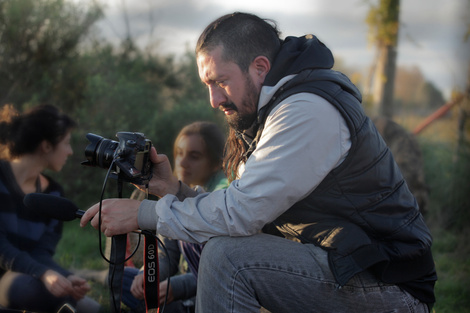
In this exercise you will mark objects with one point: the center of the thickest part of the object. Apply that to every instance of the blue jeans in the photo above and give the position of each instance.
(241, 274)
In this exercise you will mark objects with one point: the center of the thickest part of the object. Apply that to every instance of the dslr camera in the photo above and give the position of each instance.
(129, 158)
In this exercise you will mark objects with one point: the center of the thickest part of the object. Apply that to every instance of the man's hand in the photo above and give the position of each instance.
(118, 216)
(163, 181)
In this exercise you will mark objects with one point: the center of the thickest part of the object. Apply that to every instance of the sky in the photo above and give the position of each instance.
(431, 31)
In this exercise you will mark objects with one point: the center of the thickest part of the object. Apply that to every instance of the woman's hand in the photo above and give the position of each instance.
(137, 290)
(162, 293)
(80, 287)
(137, 287)
(57, 284)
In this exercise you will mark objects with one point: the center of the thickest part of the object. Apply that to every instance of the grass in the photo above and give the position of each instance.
(453, 268)
(447, 218)
(449, 210)
(79, 249)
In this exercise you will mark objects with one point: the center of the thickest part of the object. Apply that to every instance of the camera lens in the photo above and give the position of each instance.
(100, 151)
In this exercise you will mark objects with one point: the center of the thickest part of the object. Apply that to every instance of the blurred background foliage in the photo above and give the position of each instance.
(51, 53)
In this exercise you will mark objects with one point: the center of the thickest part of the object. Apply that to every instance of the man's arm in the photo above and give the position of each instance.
(303, 140)
(119, 216)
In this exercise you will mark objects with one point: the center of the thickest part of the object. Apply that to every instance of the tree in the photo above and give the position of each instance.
(38, 44)
(459, 196)
(105, 88)
(413, 91)
(383, 21)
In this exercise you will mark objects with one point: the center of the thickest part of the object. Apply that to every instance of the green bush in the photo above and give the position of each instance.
(447, 173)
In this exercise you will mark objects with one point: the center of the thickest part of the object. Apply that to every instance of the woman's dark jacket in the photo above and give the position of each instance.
(27, 239)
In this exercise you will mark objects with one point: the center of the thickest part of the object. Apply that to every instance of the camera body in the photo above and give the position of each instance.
(129, 158)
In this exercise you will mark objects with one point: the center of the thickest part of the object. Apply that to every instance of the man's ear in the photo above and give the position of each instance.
(260, 68)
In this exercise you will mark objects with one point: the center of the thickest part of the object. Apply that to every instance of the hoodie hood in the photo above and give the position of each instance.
(308, 57)
(298, 54)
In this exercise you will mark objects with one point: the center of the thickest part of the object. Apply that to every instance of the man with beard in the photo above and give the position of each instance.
(318, 217)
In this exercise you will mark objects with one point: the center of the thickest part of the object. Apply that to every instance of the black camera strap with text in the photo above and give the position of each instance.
(151, 272)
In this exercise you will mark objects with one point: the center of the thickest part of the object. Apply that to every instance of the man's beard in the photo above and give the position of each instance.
(242, 121)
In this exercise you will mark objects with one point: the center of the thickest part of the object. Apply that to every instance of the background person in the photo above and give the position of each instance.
(198, 154)
(30, 279)
(341, 231)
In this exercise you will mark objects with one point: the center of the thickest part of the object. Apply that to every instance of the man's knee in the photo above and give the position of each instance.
(215, 249)
(222, 253)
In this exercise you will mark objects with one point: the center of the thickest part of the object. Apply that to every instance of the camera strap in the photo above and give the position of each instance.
(116, 270)
(151, 272)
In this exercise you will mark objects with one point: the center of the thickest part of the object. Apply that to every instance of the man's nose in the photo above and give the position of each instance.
(217, 96)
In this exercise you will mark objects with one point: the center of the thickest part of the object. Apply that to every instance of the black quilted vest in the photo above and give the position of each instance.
(362, 213)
